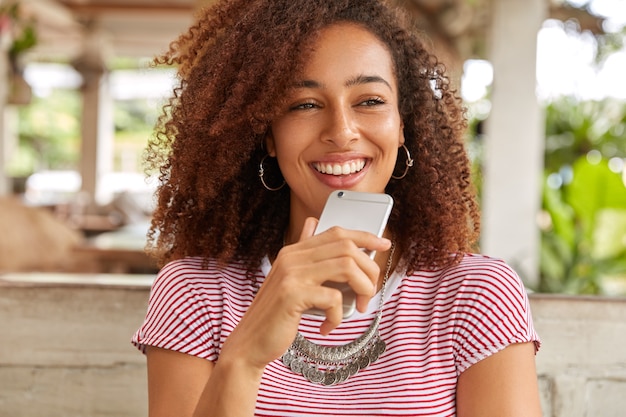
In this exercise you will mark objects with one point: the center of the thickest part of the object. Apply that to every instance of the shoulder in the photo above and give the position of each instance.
(480, 290)
(193, 274)
(199, 267)
(489, 294)
(483, 265)
(480, 274)
(491, 308)
(188, 303)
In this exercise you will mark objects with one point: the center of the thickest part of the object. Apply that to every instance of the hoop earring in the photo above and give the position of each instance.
(261, 176)
(408, 162)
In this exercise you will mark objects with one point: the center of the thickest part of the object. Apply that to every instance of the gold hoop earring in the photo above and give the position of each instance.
(261, 176)
(408, 163)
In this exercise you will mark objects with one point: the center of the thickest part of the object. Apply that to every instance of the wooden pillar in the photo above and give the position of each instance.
(514, 139)
(96, 135)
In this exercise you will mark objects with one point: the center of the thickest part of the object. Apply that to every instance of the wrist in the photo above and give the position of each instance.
(231, 390)
(234, 363)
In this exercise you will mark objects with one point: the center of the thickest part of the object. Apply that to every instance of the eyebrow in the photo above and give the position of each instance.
(358, 80)
(365, 79)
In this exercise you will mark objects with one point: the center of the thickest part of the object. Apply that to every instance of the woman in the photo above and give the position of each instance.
(281, 102)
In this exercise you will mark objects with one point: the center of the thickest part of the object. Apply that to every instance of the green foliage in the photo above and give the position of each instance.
(575, 128)
(49, 131)
(138, 115)
(134, 123)
(22, 30)
(584, 199)
(609, 43)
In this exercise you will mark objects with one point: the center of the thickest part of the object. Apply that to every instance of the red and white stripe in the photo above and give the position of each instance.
(436, 324)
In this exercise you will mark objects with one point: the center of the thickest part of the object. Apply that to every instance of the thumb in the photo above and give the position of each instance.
(308, 229)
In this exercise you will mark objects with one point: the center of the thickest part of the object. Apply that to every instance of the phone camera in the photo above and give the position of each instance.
(340, 194)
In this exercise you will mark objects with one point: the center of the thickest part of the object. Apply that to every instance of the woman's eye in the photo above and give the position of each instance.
(373, 102)
(303, 106)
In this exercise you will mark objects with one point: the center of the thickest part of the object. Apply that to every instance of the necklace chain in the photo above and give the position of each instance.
(329, 365)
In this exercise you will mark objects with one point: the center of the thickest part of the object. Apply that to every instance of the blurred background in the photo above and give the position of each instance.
(543, 81)
(544, 86)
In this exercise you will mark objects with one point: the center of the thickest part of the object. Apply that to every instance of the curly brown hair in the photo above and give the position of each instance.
(235, 66)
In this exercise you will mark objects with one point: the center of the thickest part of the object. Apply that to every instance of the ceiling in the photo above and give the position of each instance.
(101, 29)
(128, 28)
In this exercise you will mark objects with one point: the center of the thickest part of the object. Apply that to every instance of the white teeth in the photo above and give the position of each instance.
(339, 169)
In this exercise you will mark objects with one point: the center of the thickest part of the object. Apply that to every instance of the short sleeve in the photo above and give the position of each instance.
(181, 315)
(491, 312)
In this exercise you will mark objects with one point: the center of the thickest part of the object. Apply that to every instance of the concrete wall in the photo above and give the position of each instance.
(65, 350)
(582, 362)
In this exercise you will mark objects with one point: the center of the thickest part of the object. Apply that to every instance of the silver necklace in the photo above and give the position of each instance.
(329, 365)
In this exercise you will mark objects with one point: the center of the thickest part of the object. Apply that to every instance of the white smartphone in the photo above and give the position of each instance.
(353, 210)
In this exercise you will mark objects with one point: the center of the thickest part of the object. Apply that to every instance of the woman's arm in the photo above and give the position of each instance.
(181, 384)
(502, 385)
(175, 382)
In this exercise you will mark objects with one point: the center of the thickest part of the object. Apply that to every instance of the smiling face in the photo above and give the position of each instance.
(341, 127)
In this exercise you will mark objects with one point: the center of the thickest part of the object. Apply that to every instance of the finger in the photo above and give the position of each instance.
(327, 326)
(340, 261)
(359, 272)
(308, 229)
(362, 240)
(345, 270)
(330, 301)
(336, 243)
(362, 302)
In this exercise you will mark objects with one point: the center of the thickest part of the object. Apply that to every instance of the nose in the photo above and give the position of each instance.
(341, 127)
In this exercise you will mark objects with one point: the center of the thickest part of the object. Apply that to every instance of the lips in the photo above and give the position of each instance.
(345, 168)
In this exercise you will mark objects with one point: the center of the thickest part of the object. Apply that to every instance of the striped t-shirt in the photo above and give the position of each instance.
(435, 325)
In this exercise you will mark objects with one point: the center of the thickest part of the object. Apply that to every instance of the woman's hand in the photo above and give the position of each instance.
(294, 285)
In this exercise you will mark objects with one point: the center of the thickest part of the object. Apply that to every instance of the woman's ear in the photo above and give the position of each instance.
(270, 145)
